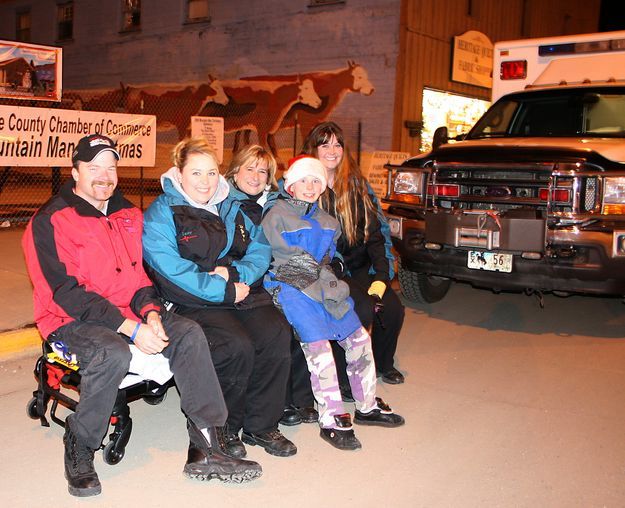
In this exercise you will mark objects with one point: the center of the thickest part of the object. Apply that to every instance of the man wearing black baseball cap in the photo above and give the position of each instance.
(84, 256)
(98, 156)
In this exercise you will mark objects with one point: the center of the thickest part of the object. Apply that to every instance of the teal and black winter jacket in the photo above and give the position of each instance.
(183, 242)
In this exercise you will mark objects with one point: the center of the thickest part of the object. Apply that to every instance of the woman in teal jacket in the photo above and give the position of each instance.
(207, 260)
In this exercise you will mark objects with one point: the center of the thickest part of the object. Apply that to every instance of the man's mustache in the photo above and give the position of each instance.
(102, 182)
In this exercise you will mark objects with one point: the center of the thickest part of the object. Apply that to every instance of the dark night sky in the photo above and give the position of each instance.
(612, 15)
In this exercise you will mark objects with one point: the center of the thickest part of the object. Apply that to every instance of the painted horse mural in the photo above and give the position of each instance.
(331, 86)
(264, 104)
(173, 105)
(112, 101)
(260, 105)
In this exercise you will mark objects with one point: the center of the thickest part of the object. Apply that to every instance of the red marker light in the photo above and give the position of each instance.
(513, 69)
(444, 190)
(557, 195)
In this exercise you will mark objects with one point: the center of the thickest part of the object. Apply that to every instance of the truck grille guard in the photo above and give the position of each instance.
(562, 196)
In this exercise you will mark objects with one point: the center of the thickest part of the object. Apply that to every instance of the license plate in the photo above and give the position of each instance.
(491, 261)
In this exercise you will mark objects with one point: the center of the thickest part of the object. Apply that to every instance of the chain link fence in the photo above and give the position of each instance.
(24, 189)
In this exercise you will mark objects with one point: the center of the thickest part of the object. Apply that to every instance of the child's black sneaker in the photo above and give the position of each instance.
(383, 416)
(343, 436)
(341, 439)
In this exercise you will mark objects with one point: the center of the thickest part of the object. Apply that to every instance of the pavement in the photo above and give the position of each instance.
(506, 404)
(18, 336)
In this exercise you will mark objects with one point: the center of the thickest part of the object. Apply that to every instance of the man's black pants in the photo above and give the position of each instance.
(104, 358)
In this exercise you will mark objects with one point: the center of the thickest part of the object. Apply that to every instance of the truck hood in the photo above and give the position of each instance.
(610, 148)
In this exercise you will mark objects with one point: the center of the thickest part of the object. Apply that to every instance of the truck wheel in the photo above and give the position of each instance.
(421, 287)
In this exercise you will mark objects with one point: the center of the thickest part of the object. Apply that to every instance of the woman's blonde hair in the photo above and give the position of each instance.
(349, 187)
(186, 147)
(250, 154)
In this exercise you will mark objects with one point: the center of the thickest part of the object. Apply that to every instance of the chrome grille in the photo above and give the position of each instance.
(496, 186)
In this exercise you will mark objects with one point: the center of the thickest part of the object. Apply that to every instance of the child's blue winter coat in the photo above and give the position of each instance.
(294, 228)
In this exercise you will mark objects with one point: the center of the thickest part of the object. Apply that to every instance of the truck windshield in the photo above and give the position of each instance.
(565, 113)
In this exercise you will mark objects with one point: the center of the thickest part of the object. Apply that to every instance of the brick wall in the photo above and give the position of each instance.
(243, 38)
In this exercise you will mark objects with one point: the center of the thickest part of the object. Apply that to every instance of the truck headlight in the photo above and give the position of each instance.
(408, 183)
(614, 195)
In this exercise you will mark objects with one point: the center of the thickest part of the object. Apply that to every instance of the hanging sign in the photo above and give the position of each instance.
(472, 59)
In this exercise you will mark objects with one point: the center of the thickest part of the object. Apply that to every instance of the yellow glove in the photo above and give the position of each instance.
(377, 288)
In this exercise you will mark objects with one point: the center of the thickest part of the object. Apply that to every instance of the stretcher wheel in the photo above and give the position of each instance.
(154, 400)
(111, 454)
(31, 409)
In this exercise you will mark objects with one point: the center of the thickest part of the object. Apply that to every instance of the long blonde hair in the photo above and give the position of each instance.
(249, 154)
(349, 183)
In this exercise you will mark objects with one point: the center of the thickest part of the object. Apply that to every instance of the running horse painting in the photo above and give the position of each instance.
(261, 105)
(331, 86)
(113, 101)
(173, 105)
(264, 104)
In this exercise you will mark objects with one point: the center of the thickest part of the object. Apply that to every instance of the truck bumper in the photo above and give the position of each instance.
(574, 262)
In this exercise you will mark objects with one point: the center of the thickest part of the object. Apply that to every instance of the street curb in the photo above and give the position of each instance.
(20, 342)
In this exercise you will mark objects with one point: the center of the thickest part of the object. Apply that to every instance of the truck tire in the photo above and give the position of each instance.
(421, 287)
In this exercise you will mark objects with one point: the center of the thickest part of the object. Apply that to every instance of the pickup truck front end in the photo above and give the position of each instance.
(520, 213)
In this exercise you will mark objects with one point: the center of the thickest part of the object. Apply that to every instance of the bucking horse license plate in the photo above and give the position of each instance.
(490, 261)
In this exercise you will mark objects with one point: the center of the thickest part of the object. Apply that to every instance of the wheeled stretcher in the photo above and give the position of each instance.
(58, 374)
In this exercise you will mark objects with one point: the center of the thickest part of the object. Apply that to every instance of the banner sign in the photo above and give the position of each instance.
(472, 60)
(211, 128)
(47, 137)
(377, 175)
(30, 71)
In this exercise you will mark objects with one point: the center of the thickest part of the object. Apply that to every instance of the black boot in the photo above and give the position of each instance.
(207, 458)
(290, 416)
(233, 445)
(82, 480)
(308, 414)
(273, 442)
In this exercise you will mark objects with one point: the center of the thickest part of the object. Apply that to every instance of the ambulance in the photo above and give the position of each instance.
(532, 198)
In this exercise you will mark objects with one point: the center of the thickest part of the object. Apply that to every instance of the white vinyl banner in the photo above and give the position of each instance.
(47, 137)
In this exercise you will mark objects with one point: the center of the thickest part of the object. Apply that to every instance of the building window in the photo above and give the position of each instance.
(22, 26)
(131, 15)
(197, 10)
(65, 21)
(319, 3)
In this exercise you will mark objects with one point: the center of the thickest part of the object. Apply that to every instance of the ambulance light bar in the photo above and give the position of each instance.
(582, 47)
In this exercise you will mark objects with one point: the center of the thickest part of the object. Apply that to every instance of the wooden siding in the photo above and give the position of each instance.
(427, 28)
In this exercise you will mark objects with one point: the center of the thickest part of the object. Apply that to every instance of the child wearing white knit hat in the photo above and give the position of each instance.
(317, 303)
(304, 166)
